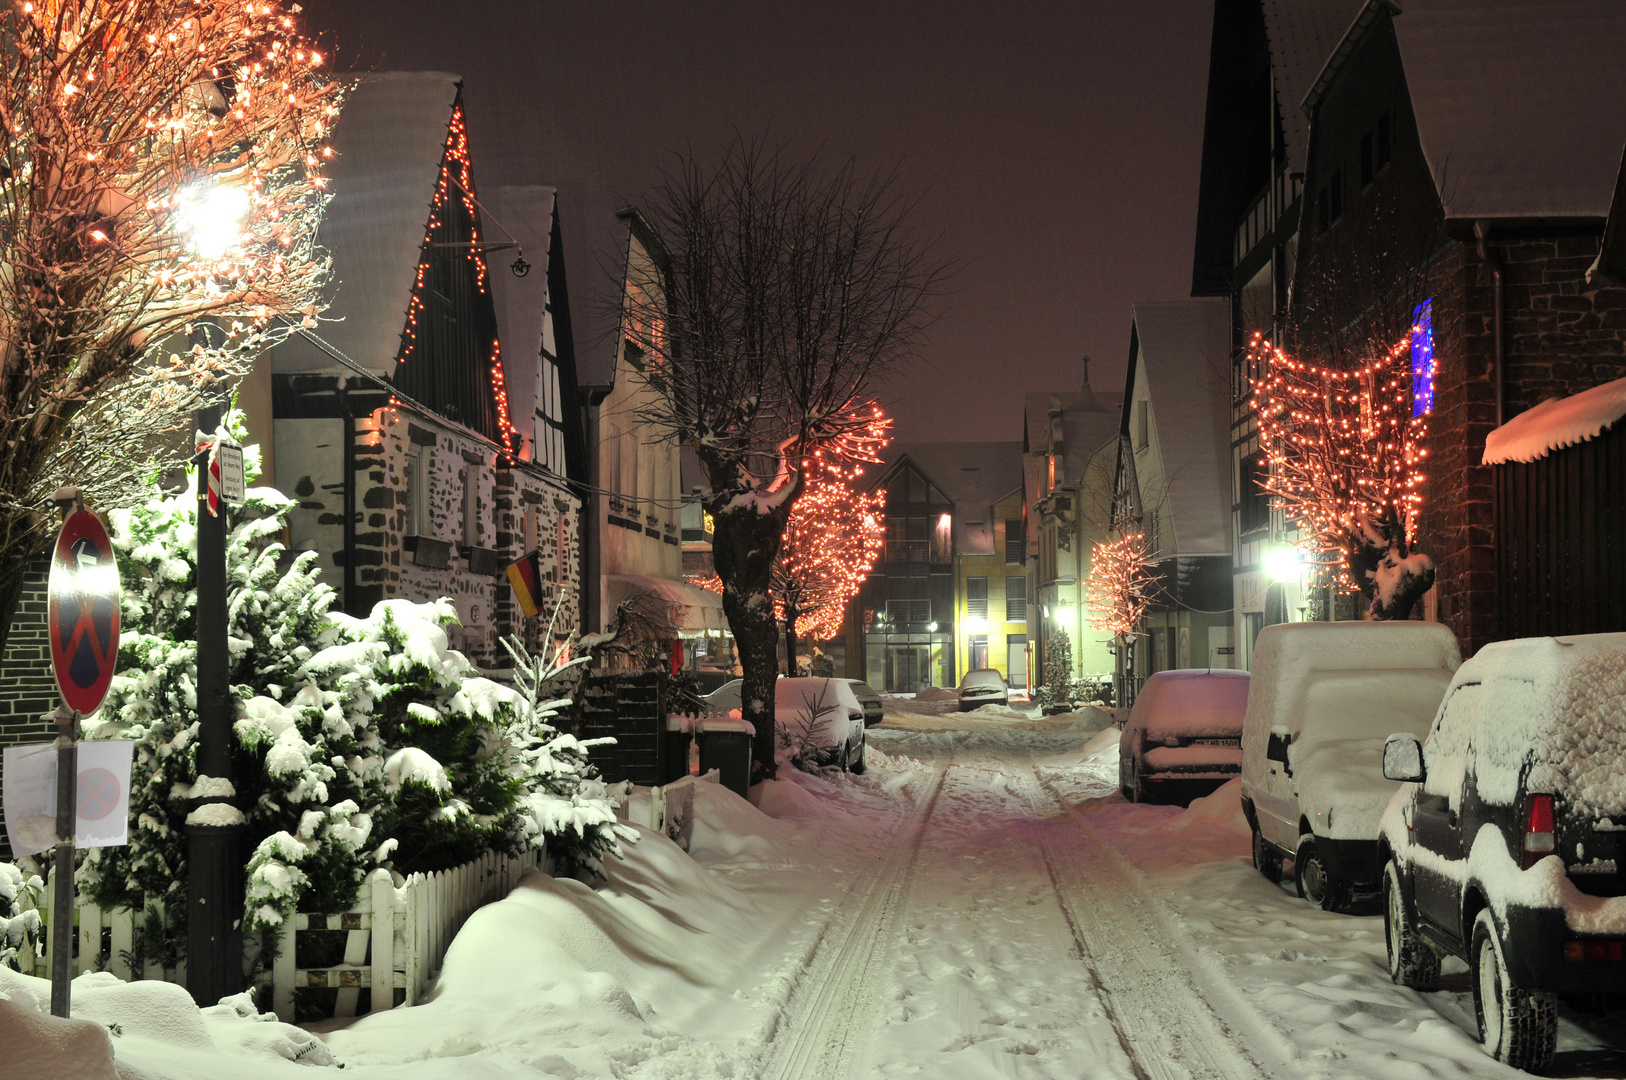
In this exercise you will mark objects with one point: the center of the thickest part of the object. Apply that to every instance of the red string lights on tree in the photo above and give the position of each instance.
(1121, 585)
(831, 543)
(1345, 457)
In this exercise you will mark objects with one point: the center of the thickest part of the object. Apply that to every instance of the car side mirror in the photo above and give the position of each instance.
(1403, 759)
(1276, 749)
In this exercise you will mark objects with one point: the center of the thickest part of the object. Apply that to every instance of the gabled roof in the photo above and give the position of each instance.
(973, 474)
(1181, 348)
(1610, 265)
(1511, 101)
(1302, 34)
(388, 146)
(533, 312)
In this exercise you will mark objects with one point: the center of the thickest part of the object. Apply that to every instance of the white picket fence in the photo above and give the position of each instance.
(402, 950)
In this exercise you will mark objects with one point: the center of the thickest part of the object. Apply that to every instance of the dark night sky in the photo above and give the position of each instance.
(1054, 146)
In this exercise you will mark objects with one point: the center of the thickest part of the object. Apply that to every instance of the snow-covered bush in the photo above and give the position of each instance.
(562, 805)
(277, 608)
(20, 894)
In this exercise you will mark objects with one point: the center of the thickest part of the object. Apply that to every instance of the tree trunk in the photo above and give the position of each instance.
(1391, 578)
(791, 670)
(744, 545)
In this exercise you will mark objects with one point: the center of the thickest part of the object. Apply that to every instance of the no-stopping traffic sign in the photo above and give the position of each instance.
(84, 612)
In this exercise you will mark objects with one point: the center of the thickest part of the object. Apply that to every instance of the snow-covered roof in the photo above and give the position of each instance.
(526, 214)
(1302, 34)
(1555, 424)
(1508, 100)
(388, 145)
(1182, 349)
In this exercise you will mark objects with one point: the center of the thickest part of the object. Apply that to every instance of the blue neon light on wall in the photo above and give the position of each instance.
(1422, 359)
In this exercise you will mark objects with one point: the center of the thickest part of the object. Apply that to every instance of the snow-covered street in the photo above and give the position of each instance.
(982, 903)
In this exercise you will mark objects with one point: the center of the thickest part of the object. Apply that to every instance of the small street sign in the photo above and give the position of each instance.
(102, 810)
(233, 485)
(84, 612)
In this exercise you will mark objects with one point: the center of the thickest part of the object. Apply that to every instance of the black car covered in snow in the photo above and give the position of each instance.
(1507, 844)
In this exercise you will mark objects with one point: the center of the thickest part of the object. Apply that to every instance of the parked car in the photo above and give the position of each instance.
(1506, 846)
(1321, 702)
(826, 713)
(1183, 738)
(726, 698)
(984, 686)
(867, 697)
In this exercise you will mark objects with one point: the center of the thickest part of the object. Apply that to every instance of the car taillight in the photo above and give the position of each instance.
(1594, 952)
(1538, 830)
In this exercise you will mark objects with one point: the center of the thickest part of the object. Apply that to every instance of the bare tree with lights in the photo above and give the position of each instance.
(1122, 584)
(160, 188)
(1345, 453)
(790, 290)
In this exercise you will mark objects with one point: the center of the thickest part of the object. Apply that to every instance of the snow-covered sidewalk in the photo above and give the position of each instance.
(982, 903)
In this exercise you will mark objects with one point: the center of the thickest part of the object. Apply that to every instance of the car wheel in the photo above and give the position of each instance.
(1266, 859)
(1519, 1027)
(1315, 882)
(1411, 962)
(856, 765)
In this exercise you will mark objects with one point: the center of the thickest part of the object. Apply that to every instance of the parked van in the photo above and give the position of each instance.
(1506, 845)
(1322, 700)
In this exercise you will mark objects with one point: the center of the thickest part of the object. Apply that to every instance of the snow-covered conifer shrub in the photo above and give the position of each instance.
(563, 805)
(1056, 688)
(20, 894)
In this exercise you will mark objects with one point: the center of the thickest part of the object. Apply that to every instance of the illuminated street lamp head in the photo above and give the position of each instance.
(213, 217)
(974, 625)
(1284, 563)
(931, 627)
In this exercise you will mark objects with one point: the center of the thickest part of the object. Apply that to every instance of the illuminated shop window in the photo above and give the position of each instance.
(1422, 359)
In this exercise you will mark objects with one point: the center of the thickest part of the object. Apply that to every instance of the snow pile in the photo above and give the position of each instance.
(1555, 424)
(578, 980)
(152, 1025)
(937, 693)
(1220, 812)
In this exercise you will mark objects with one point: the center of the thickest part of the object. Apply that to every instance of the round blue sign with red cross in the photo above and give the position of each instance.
(84, 606)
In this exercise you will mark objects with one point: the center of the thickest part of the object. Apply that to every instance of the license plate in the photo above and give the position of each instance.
(1215, 742)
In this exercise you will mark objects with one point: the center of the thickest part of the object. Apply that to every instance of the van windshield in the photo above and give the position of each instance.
(1341, 706)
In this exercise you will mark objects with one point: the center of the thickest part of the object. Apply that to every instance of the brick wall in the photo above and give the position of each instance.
(1560, 336)
(27, 687)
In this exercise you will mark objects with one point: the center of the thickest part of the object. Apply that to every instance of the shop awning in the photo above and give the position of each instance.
(694, 611)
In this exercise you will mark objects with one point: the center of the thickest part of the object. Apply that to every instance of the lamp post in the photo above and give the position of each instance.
(214, 894)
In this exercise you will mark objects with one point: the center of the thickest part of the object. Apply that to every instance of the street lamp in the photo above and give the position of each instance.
(212, 216)
(1284, 563)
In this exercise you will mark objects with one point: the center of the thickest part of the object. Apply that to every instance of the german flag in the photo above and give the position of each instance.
(526, 578)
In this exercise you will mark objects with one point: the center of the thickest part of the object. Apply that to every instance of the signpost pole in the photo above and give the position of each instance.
(67, 772)
(214, 940)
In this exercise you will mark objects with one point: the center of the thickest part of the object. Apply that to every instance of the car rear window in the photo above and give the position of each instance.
(1195, 705)
(986, 679)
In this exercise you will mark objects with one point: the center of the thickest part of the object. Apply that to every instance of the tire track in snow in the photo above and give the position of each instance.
(1168, 1026)
(829, 1010)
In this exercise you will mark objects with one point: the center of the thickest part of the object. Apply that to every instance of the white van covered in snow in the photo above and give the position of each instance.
(1322, 700)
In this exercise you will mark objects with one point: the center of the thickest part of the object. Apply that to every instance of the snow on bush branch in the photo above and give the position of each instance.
(360, 742)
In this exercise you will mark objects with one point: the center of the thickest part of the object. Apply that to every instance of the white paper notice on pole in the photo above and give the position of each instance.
(103, 818)
(233, 479)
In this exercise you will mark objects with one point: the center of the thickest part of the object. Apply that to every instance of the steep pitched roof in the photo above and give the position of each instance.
(1495, 86)
(1182, 350)
(1302, 34)
(971, 473)
(533, 315)
(388, 145)
(1610, 265)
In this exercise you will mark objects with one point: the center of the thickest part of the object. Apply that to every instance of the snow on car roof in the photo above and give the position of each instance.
(1288, 659)
(1192, 702)
(1553, 425)
(1557, 705)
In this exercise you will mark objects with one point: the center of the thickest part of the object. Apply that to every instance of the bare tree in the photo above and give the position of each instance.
(160, 189)
(790, 289)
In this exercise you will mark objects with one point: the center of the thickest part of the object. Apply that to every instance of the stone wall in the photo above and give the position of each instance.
(27, 687)
(1561, 336)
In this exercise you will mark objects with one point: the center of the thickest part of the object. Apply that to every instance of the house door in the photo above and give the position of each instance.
(908, 668)
(1016, 661)
(979, 652)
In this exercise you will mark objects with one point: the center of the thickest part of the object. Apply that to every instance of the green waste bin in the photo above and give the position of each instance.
(675, 752)
(725, 745)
